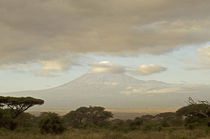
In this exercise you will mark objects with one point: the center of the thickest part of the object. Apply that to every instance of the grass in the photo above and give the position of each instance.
(107, 134)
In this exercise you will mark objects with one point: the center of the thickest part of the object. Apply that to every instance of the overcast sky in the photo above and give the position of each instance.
(45, 43)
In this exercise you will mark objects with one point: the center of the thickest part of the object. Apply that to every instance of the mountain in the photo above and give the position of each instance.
(116, 91)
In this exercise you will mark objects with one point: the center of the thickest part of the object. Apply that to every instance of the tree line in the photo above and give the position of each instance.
(12, 116)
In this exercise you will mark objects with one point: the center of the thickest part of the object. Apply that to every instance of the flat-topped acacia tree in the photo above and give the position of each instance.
(18, 105)
(199, 109)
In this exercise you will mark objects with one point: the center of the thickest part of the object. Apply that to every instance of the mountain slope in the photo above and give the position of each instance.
(116, 91)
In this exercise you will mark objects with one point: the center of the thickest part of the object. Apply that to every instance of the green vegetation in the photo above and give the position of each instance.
(189, 122)
(108, 134)
(51, 123)
(12, 107)
(88, 116)
(18, 105)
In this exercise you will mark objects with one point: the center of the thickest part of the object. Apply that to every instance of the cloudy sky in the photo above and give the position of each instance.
(45, 43)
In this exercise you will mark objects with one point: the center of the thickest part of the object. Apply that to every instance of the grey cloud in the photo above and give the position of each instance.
(46, 64)
(204, 56)
(36, 30)
(202, 61)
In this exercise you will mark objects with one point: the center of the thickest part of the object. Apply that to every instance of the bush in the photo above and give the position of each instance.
(190, 126)
(6, 120)
(164, 123)
(51, 123)
(147, 127)
(84, 117)
(136, 123)
(26, 120)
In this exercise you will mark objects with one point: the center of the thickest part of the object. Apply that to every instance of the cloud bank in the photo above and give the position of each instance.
(204, 56)
(202, 60)
(45, 30)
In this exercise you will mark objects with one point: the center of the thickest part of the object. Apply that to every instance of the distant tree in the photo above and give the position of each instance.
(195, 113)
(18, 105)
(26, 120)
(115, 123)
(12, 107)
(136, 123)
(51, 123)
(147, 117)
(169, 119)
(6, 120)
(166, 115)
(86, 116)
(199, 109)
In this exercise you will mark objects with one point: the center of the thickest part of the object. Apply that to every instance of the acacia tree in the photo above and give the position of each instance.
(199, 109)
(196, 113)
(17, 105)
(85, 116)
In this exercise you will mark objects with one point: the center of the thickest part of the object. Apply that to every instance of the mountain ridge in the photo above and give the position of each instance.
(113, 91)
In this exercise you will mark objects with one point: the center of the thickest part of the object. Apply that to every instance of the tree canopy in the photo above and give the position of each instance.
(51, 123)
(18, 104)
(84, 116)
(198, 109)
